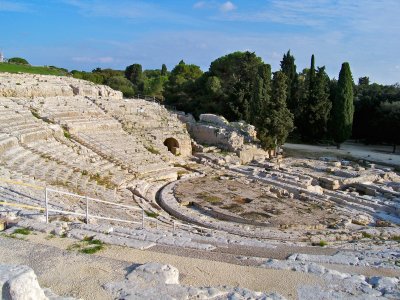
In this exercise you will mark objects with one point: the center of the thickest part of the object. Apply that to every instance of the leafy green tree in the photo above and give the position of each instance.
(363, 81)
(134, 74)
(343, 107)
(18, 60)
(179, 88)
(236, 72)
(389, 123)
(122, 84)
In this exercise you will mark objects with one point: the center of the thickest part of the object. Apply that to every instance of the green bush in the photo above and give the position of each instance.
(122, 84)
(18, 60)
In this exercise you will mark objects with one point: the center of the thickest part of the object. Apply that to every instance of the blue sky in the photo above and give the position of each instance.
(85, 34)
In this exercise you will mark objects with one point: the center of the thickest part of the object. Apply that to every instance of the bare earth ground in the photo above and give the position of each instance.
(250, 202)
(80, 275)
(373, 153)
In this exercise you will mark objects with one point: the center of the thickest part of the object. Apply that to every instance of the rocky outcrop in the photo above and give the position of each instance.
(156, 281)
(20, 283)
(237, 137)
(32, 86)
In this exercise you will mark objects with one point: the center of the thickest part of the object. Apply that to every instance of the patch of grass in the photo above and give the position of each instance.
(366, 235)
(23, 231)
(84, 172)
(152, 150)
(395, 238)
(321, 243)
(233, 207)
(151, 214)
(87, 246)
(91, 250)
(67, 134)
(50, 236)
(16, 68)
(210, 198)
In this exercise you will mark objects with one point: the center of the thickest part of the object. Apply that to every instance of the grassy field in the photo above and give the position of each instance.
(14, 68)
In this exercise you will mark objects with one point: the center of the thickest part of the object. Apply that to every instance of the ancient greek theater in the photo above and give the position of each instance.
(104, 197)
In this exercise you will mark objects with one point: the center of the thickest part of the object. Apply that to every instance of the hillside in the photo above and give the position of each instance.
(15, 68)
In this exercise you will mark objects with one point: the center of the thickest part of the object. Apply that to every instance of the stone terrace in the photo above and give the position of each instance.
(78, 136)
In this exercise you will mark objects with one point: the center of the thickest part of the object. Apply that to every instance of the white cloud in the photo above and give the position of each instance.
(227, 6)
(85, 59)
(199, 5)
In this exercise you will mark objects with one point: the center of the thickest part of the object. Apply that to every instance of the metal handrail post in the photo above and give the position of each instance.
(46, 201)
(87, 210)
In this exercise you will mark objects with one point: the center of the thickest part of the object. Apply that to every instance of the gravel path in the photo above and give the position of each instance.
(79, 275)
(373, 153)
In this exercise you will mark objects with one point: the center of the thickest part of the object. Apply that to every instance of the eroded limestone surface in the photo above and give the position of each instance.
(156, 281)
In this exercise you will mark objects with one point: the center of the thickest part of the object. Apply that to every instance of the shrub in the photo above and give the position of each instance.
(18, 60)
(23, 231)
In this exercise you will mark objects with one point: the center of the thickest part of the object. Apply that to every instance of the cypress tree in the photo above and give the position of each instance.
(343, 107)
(316, 106)
(261, 95)
(288, 67)
(277, 121)
(164, 70)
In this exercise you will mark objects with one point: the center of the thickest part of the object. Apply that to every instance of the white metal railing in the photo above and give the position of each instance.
(48, 209)
(87, 215)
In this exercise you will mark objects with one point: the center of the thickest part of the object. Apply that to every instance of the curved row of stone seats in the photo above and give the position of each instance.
(150, 122)
(74, 113)
(124, 149)
(34, 85)
(36, 166)
(19, 122)
(18, 189)
(82, 160)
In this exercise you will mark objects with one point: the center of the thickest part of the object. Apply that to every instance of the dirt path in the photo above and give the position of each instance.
(373, 153)
(73, 274)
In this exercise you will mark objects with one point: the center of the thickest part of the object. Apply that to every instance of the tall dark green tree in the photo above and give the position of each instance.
(316, 104)
(288, 67)
(164, 70)
(134, 74)
(343, 107)
(277, 121)
(261, 96)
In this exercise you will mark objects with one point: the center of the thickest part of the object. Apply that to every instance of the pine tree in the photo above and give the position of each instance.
(343, 107)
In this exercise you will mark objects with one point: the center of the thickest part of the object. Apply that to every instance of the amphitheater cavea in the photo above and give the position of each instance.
(179, 208)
